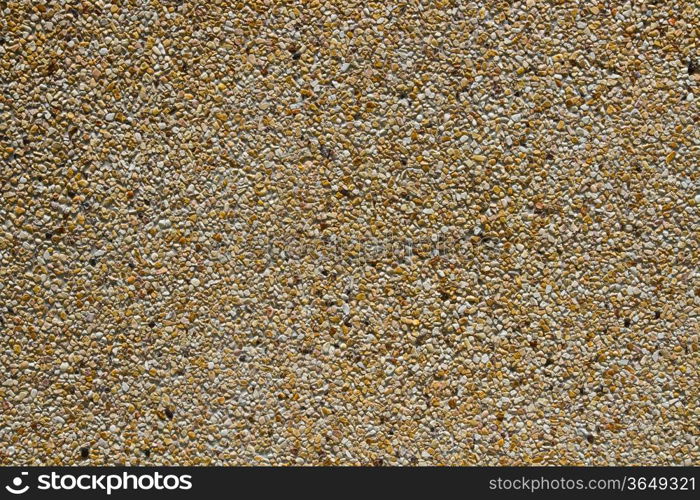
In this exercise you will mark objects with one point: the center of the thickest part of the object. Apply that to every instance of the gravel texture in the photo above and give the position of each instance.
(340, 232)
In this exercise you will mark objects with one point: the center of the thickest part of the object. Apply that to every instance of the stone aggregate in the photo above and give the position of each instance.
(335, 232)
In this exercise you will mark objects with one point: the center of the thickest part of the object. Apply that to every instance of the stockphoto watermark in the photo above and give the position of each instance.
(103, 483)
(359, 250)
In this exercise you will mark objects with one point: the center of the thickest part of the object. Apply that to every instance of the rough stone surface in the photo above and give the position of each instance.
(340, 232)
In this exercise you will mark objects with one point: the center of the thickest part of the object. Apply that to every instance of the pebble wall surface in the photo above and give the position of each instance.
(357, 233)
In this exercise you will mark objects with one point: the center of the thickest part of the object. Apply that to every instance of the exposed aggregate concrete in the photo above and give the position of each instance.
(341, 232)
